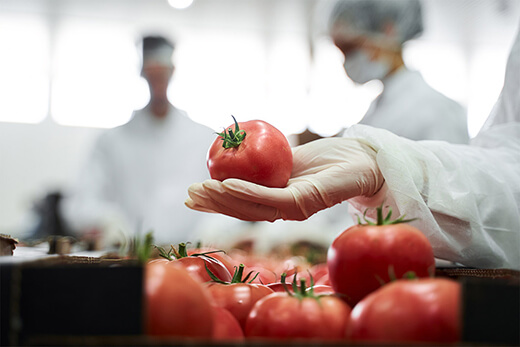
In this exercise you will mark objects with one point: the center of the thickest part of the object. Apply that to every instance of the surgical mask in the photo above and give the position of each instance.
(361, 69)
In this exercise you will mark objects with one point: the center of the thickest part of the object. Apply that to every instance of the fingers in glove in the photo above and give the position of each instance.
(194, 206)
(244, 209)
(275, 197)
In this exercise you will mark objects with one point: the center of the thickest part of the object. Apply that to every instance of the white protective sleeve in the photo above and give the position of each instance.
(467, 198)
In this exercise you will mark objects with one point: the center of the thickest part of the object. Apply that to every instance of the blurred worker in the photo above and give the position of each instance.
(466, 198)
(135, 177)
(371, 34)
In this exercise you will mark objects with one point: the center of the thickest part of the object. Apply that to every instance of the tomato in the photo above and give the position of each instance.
(255, 151)
(265, 276)
(175, 303)
(237, 296)
(225, 259)
(197, 264)
(302, 315)
(319, 271)
(426, 310)
(364, 257)
(225, 325)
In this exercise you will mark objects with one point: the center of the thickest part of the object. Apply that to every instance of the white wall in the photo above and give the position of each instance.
(462, 53)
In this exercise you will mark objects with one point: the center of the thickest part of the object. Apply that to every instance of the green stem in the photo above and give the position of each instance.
(232, 139)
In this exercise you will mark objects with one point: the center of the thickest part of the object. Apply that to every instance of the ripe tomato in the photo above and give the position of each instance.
(196, 264)
(225, 259)
(225, 326)
(237, 296)
(175, 303)
(426, 310)
(255, 151)
(364, 257)
(299, 315)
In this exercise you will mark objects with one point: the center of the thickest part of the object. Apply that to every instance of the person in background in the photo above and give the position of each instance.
(466, 198)
(135, 177)
(371, 35)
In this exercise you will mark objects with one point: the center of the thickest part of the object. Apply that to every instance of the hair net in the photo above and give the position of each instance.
(157, 50)
(370, 17)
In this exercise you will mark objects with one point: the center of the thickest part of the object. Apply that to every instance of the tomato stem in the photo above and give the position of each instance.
(232, 139)
(381, 219)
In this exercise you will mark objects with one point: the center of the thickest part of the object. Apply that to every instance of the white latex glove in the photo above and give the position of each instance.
(325, 172)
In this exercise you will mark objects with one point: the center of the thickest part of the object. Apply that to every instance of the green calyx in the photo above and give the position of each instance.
(232, 138)
(383, 220)
(237, 276)
(300, 292)
(174, 253)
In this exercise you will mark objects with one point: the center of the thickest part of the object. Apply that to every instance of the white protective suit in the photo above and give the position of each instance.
(136, 177)
(409, 107)
(467, 197)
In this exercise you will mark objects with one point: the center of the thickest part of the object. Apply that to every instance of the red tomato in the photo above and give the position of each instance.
(196, 265)
(282, 316)
(225, 325)
(237, 298)
(318, 271)
(426, 310)
(265, 276)
(323, 289)
(364, 257)
(260, 154)
(225, 259)
(175, 303)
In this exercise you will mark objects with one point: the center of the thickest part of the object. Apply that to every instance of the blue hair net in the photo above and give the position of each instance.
(371, 17)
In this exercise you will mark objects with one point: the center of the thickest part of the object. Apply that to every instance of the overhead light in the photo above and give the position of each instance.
(180, 4)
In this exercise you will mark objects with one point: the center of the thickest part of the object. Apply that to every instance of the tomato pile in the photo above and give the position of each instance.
(376, 285)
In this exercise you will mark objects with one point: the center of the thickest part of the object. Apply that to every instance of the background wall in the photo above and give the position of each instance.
(69, 69)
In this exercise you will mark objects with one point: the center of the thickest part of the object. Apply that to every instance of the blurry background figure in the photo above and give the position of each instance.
(371, 34)
(135, 178)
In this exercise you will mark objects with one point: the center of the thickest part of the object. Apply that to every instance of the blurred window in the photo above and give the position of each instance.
(95, 81)
(24, 68)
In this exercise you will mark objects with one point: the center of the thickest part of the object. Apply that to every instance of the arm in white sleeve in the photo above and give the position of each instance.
(466, 198)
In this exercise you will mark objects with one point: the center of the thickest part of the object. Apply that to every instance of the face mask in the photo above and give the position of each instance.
(361, 69)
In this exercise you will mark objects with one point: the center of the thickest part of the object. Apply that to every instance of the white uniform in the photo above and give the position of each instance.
(137, 175)
(409, 107)
(467, 198)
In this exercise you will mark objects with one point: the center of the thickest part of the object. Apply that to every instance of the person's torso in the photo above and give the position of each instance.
(409, 107)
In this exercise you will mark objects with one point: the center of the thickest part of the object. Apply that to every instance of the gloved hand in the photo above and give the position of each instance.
(325, 172)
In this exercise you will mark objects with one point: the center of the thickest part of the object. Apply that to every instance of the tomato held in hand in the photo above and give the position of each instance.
(299, 315)
(255, 151)
(422, 310)
(175, 303)
(366, 256)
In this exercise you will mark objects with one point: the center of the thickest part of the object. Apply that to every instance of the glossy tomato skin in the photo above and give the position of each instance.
(175, 303)
(237, 298)
(225, 259)
(423, 310)
(196, 266)
(264, 157)
(280, 316)
(363, 258)
(225, 326)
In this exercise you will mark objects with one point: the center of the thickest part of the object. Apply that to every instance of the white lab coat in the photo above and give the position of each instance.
(467, 197)
(409, 107)
(136, 178)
